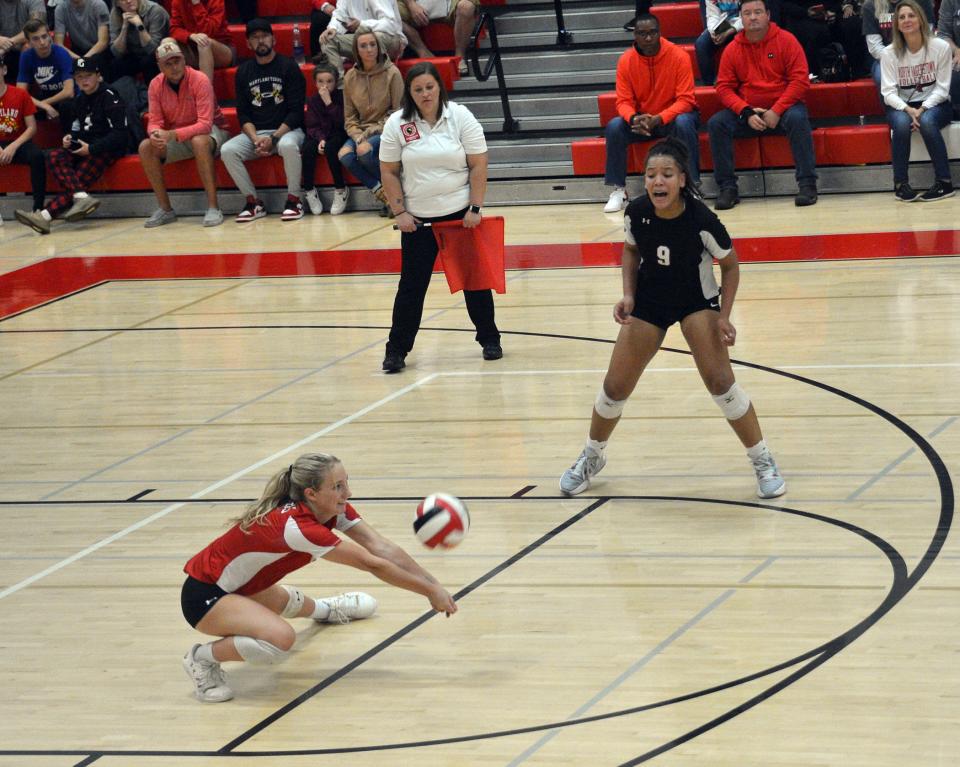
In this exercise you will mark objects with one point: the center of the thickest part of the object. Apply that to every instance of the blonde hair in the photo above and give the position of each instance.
(899, 43)
(309, 470)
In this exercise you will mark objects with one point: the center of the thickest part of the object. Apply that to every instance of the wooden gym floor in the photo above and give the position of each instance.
(151, 381)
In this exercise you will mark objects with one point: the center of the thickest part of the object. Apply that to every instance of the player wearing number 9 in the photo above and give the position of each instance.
(671, 239)
(232, 590)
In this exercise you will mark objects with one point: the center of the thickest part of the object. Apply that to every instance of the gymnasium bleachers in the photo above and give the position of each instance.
(563, 97)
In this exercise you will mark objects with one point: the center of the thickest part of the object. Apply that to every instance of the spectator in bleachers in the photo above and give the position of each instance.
(380, 16)
(948, 28)
(17, 127)
(915, 82)
(877, 26)
(654, 99)
(762, 81)
(14, 14)
(46, 71)
(372, 90)
(723, 22)
(818, 23)
(184, 121)
(87, 23)
(323, 125)
(200, 26)
(270, 100)
(136, 29)
(460, 14)
(97, 139)
(320, 15)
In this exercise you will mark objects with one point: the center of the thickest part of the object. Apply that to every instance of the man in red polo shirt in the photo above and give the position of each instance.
(17, 127)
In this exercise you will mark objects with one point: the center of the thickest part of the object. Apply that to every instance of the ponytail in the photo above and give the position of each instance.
(309, 470)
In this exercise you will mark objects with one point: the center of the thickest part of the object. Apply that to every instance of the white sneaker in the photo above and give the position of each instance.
(770, 482)
(213, 217)
(314, 202)
(577, 478)
(617, 202)
(340, 197)
(210, 686)
(352, 606)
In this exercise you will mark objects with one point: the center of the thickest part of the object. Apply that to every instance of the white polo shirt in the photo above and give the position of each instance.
(433, 161)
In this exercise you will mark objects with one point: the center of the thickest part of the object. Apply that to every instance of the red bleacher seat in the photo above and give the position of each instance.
(589, 155)
(678, 20)
(823, 100)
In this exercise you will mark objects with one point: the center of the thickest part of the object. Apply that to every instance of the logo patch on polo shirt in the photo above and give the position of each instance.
(409, 131)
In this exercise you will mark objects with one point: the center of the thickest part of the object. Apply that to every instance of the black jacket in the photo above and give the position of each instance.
(100, 119)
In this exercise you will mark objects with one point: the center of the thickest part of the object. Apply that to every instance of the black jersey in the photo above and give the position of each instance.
(676, 254)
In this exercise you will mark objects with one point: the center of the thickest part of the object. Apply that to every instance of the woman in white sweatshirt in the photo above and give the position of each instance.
(915, 84)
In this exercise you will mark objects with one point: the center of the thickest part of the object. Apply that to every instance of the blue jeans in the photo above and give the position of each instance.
(931, 123)
(364, 167)
(619, 137)
(724, 126)
(707, 51)
(955, 89)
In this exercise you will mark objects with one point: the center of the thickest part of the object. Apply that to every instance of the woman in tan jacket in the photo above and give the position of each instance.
(372, 90)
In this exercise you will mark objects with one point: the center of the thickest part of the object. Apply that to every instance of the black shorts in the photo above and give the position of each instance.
(664, 315)
(198, 598)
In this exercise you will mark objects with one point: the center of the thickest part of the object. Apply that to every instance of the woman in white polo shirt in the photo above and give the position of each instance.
(433, 164)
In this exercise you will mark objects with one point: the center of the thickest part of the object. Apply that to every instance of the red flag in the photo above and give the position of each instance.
(472, 258)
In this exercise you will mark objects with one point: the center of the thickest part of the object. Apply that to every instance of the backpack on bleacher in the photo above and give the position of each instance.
(833, 64)
(134, 95)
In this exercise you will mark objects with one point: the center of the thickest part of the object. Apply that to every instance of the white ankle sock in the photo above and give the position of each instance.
(46, 214)
(757, 450)
(321, 612)
(80, 195)
(595, 446)
(205, 653)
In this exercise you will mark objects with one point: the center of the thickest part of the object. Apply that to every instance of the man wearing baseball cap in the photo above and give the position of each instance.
(184, 121)
(97, 139)
(270, 97)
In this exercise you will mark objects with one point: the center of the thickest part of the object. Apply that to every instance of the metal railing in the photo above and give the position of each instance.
(563, 37)
(487, 21)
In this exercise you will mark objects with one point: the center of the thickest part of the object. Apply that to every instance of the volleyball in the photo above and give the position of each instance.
(442, 521)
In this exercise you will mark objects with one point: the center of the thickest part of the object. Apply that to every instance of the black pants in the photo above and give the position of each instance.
(418, 253)
(131, 65)
(309, 154)
(32, 155)
(318, 22)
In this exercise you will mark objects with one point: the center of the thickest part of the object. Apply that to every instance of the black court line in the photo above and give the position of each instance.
(408, 628)
(902, 584)
(140, 495)
(523, 491)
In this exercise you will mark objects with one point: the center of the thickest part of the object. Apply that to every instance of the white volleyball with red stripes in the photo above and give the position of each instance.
(442, 521)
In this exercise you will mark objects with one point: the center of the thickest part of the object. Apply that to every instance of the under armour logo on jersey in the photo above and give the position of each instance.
(210, 601)
(645, 221)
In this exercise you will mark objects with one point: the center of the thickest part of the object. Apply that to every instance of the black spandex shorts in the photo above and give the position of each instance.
(198, 598)
(664, 315)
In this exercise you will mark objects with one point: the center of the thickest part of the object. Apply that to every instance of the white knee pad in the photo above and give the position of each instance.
(294, 603)
(734, 402)
(606, 407)
(257, 651)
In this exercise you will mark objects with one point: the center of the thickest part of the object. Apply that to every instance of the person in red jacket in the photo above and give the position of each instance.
(762, 80)
(200, 26)
(654, 99)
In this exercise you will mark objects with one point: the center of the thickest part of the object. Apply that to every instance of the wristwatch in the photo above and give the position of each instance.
(140, 27)
(474, 208)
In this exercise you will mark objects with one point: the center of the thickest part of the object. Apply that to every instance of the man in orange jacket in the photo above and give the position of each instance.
(762, 81)
(654, 99)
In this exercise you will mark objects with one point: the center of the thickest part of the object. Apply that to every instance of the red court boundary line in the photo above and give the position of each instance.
(55, 278)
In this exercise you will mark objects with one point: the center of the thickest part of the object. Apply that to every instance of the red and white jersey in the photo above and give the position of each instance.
(285, 540)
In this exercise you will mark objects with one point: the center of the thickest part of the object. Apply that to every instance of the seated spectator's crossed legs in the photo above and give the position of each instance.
(364, 165)
(619, 136)
(74, 174)
(30, 154)
(932, 123)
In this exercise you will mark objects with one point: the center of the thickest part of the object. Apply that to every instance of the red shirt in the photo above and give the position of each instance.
(285, 540)
(769, 74)
(15, 105)
(206, 16)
